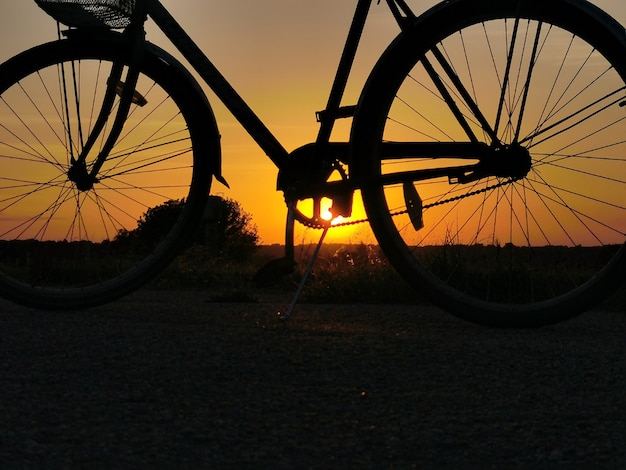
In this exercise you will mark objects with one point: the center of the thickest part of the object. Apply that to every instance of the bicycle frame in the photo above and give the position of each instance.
(304, 174)
(491, 175)
(235, 103)
(321, 154)
(339, 191)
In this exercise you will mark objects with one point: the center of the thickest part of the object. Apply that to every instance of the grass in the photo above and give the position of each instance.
(356, 274)
(352, 274)
(343, 274)
(227, 280)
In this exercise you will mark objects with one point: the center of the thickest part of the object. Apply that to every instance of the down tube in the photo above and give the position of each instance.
(220, 86)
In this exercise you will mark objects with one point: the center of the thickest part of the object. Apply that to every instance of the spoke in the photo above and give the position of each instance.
(507, 73)
(587, 173)
(143, 145)
(556, 109)
(449, 100)
(31, 134)
(469, 101)
(65, 101)
(589, 135)
(554, 217)
(575, 115)
(133, 167)
(586, 155)
(414, 129)
(527, 84)
(428, 120)
(105, 216)
(579, 215)
(94, 100)
(443, 102)
(37, 187)
(22, 228)
(44, 118)
(441, 220)
(540, 119)
(123, 190)
(76, 86)
(513, 216)
(103, 204)
(162, 141)
(78, 225)
(531, 215)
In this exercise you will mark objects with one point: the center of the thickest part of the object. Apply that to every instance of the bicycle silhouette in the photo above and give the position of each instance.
(487, 145)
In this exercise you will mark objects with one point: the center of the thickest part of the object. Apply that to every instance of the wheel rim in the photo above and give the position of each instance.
(58, 238)
(498, 242)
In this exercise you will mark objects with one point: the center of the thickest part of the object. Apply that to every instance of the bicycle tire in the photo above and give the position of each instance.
(66, 248)
(512, 250)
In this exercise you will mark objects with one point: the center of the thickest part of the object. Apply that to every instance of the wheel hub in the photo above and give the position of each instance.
(513, 161)
(79, 175)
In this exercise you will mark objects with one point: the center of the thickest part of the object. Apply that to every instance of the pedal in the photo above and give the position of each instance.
(342, 205)
(414, 206)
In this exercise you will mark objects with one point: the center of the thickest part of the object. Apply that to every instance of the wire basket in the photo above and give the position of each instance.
(113, 14)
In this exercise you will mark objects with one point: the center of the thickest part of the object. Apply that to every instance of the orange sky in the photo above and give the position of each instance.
(281, 56)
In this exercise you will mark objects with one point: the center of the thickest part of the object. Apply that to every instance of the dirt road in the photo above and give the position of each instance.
(165, 379)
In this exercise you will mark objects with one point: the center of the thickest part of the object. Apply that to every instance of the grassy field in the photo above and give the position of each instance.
(343, 274)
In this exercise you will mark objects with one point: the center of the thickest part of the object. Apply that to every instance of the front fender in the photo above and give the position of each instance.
(205, 116)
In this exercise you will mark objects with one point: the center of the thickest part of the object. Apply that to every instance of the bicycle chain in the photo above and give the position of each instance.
(427, 206)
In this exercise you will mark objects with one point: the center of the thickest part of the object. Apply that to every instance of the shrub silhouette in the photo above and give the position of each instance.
(228, 232)
(232, 232)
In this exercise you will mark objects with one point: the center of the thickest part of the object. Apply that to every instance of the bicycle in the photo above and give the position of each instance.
(487, 146)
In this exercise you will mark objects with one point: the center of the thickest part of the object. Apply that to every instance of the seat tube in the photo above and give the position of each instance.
(343, 71)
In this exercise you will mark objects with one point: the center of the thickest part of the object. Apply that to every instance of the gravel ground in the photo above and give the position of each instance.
(164, 379)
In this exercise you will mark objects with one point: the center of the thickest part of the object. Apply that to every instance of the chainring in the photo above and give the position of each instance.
(316, 219)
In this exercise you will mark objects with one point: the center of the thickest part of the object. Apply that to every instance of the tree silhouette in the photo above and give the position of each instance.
(230, 230)
(156, 221)
(226, 228)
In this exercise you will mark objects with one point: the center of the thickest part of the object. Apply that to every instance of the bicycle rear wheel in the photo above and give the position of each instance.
(527, 227)
(65, 247)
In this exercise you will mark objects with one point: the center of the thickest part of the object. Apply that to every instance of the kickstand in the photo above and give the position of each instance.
(305, 276)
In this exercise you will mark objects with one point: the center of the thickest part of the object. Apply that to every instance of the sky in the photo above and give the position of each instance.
(281, 56)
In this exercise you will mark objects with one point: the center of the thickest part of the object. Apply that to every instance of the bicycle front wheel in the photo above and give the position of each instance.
(490, 147)
(67, 244)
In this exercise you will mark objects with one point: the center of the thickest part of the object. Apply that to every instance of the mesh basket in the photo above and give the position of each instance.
(112, 14)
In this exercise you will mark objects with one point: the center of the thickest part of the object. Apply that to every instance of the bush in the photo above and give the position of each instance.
(229, 233)
(358, 274)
